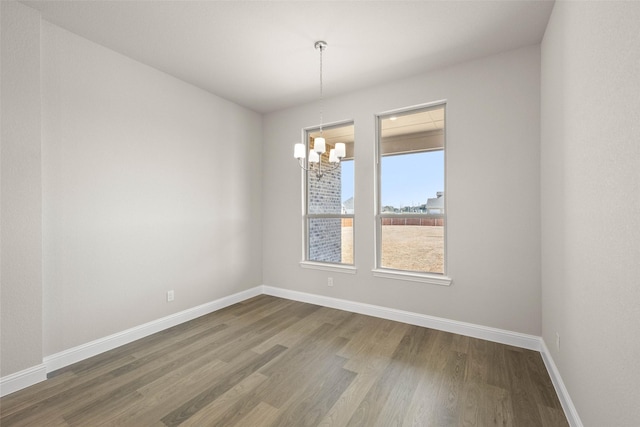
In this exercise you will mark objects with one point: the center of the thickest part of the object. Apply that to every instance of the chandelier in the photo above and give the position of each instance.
(319, 143)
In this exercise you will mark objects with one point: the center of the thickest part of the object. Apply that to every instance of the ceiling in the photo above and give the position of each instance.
(412, 122)
(260, 54)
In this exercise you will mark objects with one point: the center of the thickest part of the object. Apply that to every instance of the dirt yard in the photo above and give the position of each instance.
(405, 247)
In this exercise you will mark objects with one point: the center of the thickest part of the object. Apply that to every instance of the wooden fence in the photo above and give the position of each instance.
(432, 221)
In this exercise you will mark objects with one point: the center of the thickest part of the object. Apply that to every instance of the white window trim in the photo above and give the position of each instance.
(433, 279)
(317, 265)
(413, 276)
(335, 267)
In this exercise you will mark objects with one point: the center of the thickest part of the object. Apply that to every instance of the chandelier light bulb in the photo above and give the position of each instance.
(299, 151)
(319, 145)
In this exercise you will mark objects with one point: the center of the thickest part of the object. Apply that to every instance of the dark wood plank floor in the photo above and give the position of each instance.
(274, 362)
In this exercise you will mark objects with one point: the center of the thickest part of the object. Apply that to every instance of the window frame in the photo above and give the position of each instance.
(306, 216)
(409, 275)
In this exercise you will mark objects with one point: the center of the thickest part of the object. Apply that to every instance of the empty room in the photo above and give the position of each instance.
(320, 213)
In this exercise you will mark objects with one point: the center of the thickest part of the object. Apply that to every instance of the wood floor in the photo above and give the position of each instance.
(274, 362)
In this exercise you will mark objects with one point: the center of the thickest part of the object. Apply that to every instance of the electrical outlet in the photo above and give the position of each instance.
(558, 341)
(170, 296)
(330, 281)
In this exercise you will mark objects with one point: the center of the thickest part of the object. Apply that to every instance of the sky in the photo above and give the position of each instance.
(407, 179)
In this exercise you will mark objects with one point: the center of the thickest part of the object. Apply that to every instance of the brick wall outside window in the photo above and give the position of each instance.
(325, 234)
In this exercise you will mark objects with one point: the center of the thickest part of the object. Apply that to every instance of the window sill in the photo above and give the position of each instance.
(433, 279)
(338, 268)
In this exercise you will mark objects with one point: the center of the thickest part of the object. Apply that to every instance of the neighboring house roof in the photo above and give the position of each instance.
(436, 202)
(347, 206)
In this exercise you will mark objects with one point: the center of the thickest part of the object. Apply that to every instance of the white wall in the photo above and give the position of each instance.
(493, 133)
(148, 184)
(21, 217)
(591, 205)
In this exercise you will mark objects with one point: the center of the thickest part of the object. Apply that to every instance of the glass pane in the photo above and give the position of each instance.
(409, 181)
(325, 193)
(347, 240)
(411, 171)
(331, 240)
(347, 184)
(332, 193)
(415, 244)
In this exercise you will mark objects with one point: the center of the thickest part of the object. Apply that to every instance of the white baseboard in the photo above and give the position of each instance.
(561, 390)
(93, 348)
(23, 379)
(501, 336)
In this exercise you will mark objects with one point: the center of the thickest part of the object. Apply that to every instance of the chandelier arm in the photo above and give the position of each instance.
(318, 171)
(301, 164)
(335, 166)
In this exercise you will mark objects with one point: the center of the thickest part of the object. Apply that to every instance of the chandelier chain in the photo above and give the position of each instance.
(321, 91)
(336, 152)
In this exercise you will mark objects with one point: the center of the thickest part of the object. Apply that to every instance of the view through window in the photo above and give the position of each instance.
(329, 212)
(411, 208)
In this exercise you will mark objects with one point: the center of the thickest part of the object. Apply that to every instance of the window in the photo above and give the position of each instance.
(329, 203)
(410, 220)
